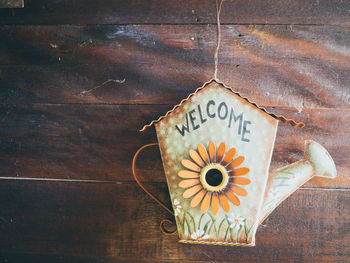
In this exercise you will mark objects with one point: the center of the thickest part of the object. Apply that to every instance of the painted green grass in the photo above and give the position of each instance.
(208, 225)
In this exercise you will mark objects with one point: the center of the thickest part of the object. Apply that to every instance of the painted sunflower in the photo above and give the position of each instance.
(213, 178)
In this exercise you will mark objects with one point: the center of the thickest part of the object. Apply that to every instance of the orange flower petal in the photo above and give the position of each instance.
(191, 191)
(188, 183)
(195, 157)
(221, 152)
(203, 153)
(229, 155)
(233, 198)
(214, 204)
(241, 171)
(205, 203)
(237, 162)
(188, 174)
(238, 190)
(211, 148)
(224, 203)
(190, 165)
(241, 181)
(197, 198)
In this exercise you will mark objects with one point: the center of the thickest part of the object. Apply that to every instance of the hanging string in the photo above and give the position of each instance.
(216, 60)
(167, 221)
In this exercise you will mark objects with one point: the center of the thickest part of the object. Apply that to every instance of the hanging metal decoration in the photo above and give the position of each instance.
(216, 148)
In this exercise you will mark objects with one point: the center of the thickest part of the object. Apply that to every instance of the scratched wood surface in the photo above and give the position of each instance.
(178, 12)
(103, 223)
(79, 78)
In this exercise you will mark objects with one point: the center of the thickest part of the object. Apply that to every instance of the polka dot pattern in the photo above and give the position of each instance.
(201, 128)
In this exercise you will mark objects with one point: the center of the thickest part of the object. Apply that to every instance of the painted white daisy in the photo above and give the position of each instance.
(292, 177)
(236, 221)
(177, 207)
(199, 235)
(273, 193)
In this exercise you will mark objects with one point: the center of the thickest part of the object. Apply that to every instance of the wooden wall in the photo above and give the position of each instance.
(79, 78)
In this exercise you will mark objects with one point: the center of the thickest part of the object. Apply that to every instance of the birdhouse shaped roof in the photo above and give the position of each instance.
(213, 82)
(216, 148)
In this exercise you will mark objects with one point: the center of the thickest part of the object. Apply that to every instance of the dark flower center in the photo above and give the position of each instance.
(214, 177)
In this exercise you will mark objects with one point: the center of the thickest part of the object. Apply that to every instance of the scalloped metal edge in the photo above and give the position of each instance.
(278, 117)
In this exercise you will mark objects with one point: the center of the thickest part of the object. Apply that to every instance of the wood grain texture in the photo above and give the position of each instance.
(288, 66)
(79, 78)
(119, 222)
(97, 142)
(181, 11)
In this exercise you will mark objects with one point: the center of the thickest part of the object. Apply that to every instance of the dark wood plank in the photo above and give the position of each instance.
(118, 221)
(289, 66)
(73, 97)
(162, 11)
(54, 258)
(97, 142)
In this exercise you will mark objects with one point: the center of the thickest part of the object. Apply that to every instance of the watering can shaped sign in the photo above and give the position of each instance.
(216, 149)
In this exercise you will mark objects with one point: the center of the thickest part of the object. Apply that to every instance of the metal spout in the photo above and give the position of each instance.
(284, 181)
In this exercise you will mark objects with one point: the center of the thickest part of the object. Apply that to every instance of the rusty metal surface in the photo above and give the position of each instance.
(215, 114)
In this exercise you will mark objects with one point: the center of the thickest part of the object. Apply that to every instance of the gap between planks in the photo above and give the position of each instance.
(128, 182)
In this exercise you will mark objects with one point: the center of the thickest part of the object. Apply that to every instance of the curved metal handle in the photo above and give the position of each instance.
(164, 221)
